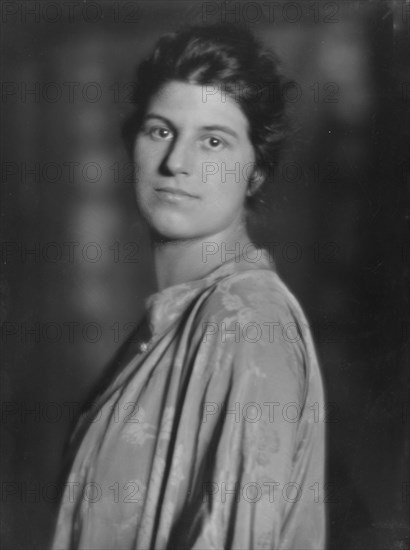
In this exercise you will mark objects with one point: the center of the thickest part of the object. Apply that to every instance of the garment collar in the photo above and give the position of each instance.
(164, 307)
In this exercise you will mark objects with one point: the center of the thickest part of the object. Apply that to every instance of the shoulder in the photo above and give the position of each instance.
(254, 294)
(251, 322)
(249, 329)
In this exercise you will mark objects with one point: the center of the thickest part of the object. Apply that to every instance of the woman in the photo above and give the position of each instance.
(207, 437)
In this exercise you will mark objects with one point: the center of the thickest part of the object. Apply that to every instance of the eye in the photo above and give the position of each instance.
(160, 133)
(214, 143)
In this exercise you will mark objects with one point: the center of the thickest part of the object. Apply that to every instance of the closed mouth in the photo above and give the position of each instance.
(176, 192)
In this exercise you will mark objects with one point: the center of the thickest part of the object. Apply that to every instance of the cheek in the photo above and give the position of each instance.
(221, 204)
(227, 190)
(142, 187)
(146, 157)
(145, 167)
(234, 174)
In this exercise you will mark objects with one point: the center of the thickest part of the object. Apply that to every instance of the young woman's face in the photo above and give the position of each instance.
(194, 159)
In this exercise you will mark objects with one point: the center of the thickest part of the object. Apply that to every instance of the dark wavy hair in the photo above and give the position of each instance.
(230, 57)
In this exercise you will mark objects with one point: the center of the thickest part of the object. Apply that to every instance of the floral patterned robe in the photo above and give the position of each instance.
(211, 436)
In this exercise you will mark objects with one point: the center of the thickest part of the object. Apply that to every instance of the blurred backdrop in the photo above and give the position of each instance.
(75, 265)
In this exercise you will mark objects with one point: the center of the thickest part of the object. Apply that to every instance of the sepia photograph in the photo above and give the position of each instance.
(205, 255)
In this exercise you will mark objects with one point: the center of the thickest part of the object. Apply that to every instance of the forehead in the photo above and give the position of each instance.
(194, 105)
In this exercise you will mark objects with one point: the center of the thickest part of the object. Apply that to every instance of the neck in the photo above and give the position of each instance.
(181, 261)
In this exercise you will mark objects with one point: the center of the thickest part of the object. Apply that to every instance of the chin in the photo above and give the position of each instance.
(172, 229)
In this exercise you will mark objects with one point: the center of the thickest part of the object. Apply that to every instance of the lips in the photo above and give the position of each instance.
(172, 191)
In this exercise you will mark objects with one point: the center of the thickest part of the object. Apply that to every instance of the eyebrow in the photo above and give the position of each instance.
(225, 129)
(212, 128)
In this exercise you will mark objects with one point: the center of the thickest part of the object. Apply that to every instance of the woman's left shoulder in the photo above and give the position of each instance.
(251, 320)
(256, 292)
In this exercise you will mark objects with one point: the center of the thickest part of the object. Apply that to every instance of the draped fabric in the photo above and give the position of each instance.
(212, 435)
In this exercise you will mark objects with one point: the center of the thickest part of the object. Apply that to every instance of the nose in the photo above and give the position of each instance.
(179, 158)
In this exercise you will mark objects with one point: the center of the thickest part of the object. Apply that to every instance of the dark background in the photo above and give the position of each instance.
(336, 220)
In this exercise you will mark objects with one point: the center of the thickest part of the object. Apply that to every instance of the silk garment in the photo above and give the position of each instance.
(211, 436)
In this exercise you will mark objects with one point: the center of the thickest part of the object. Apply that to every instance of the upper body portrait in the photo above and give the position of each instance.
(206, 436)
